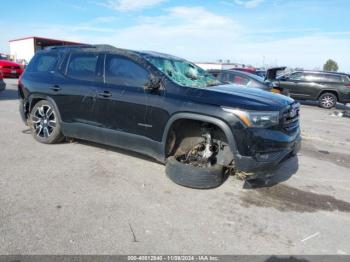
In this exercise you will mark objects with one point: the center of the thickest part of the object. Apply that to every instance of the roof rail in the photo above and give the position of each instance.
(322, 72)
(62, 47)
(101, 48)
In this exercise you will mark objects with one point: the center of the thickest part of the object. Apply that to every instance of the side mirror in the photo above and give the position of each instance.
(154, 83)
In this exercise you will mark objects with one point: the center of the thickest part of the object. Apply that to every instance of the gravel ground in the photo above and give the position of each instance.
(84, 198)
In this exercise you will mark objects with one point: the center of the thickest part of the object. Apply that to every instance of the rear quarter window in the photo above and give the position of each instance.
(332, 78)
(346, 79)
(43, 63)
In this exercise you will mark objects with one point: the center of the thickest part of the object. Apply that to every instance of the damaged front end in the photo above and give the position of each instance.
(205, 147)
(262, 150)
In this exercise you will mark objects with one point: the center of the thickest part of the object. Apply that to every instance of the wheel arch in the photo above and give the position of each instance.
(332, 91)
(34, 99)
(202, 118)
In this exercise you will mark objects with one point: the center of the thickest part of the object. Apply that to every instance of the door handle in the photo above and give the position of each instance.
(55, 88)
(104, 94)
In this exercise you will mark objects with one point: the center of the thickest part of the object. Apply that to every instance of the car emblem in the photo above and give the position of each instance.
(293, 112)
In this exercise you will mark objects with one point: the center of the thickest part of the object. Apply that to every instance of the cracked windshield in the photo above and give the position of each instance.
(183, 72)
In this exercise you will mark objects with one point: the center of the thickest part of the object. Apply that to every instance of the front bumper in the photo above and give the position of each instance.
(267, 161)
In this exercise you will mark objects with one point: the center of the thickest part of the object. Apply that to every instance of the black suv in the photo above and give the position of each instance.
(326, 87)
(159, 105)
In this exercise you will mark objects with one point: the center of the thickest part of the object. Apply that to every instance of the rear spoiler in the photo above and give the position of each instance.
(272, 73)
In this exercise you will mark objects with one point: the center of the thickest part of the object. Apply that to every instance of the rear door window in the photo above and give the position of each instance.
(317, 77)
(43, 63)
(83, 66)
(125, 72)
(314, 77)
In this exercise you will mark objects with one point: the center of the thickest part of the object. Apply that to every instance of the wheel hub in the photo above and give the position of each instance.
(328, 101)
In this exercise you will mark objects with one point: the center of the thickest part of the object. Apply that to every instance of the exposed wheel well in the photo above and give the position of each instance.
(185, 133)
(27, 107)
(329, 91)
(33, 102)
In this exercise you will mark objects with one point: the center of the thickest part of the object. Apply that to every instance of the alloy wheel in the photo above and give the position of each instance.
(44, 121)
(327, 101)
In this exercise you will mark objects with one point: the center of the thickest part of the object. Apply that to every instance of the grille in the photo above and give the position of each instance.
(290, 119)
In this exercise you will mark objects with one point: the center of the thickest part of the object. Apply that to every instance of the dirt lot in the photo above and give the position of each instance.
(83, 198)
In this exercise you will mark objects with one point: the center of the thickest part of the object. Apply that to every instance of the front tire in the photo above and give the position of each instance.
(193, 176)
(327, 100)
(44, 124)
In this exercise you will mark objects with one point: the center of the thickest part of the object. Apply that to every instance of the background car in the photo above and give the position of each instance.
(247, 79)
(327, 88)
(10, 69)
(2, 83)
(251, 70)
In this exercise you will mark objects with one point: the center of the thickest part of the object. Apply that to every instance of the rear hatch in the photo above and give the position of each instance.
(272, 73)
(271, 78)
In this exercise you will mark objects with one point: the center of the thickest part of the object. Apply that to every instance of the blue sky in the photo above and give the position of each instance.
(296, 33)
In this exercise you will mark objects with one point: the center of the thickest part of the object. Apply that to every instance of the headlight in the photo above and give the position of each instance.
(255, 118)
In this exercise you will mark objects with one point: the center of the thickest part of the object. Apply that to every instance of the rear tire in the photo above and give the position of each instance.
(327, 100)
(44, 123)
(192, 176)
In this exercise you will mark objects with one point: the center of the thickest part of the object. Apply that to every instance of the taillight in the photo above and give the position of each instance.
(347, 85)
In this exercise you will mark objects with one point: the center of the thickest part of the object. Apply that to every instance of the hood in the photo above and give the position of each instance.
(272, 73)
(245, 98)
(8, 63)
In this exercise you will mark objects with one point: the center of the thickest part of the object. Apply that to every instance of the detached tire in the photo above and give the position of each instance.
(192, 176)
